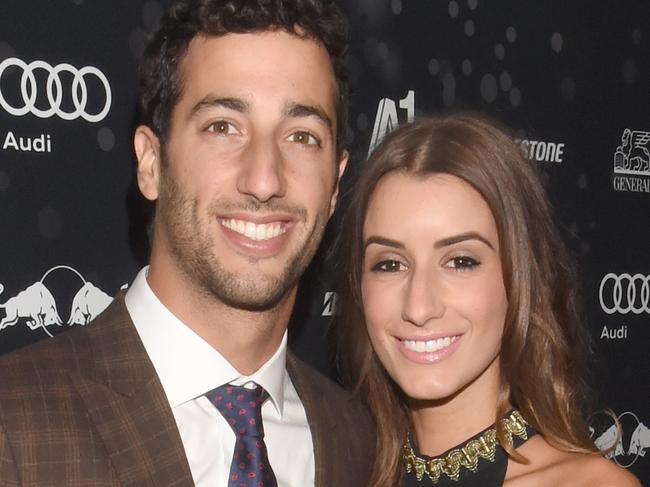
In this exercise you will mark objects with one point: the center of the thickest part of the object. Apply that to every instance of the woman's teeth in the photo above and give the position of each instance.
(429, 345)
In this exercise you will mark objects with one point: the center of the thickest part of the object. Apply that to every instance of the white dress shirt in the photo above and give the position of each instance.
(188, 367)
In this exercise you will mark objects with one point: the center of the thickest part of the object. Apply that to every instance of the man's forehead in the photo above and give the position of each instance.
(238, 49)
(233, 39)
(212, 59)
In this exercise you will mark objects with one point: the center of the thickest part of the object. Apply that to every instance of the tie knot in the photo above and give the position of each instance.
(241, 407)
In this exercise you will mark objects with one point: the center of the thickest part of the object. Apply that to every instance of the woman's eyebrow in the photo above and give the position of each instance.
(462, 237)
(383, 241)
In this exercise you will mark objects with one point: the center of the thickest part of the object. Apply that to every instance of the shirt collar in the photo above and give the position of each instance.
(187, 365)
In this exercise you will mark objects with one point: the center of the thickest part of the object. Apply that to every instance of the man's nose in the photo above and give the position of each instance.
(262, 174)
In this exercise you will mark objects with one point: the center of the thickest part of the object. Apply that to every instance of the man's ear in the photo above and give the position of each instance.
(343, 162)
(147, 151)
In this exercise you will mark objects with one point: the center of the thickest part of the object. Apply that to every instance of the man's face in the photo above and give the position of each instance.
(249, 171)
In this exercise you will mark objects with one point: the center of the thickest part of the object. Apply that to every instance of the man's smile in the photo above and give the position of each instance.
(255, 231)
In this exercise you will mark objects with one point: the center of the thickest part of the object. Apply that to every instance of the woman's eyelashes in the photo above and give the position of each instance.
(459, 263)
(388, 265)
(462, 263)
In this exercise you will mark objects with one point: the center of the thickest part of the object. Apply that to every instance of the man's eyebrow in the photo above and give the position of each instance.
(462, 237)
(300, 110)
(383, 241)
(236, 104)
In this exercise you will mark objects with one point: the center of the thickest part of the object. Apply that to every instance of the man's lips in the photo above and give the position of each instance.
(256, 231)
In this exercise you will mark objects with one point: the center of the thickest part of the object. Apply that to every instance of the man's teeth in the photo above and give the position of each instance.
(429, 345)
(259, 232)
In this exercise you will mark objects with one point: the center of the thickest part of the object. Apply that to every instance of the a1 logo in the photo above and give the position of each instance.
(387, 120)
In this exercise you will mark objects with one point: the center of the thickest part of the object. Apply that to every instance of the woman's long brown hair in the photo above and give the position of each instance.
(542, 358)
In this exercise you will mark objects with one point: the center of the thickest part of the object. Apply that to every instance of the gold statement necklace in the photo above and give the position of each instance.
(483, 446)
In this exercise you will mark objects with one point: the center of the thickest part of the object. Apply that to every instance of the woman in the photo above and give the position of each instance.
(459, 322)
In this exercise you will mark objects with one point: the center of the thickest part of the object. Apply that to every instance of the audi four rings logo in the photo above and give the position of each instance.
(625, 293)
(54, 90)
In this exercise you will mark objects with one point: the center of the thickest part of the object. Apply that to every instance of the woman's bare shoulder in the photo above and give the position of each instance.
(549, 466)
(600, 472)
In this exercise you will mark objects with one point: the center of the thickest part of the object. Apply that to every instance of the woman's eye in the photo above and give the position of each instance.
(462, 263)
(388, 266)
(304, 137)
(222, 127)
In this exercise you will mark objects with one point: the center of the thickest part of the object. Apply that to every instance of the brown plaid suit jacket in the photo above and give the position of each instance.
(87, 409)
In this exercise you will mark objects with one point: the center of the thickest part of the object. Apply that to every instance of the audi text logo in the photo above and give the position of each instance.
(625, 293)
(54, 90)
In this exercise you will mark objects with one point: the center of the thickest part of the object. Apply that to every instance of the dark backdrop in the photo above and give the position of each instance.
(572, 78)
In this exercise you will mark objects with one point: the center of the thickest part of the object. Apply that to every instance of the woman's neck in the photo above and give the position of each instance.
(445, 423)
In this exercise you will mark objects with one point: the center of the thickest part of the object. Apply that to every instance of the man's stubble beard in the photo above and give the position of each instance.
(193, 250)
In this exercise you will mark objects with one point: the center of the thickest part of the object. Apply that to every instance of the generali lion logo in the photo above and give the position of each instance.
(36, 307)
(632, 162)
(633, 155)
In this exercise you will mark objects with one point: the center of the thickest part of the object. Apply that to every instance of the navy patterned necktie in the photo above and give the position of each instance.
(242, 408)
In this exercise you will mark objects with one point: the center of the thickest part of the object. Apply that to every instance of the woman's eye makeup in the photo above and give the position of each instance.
(462, 263)
(388, 265)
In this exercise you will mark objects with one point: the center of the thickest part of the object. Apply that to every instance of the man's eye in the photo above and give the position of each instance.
(222, 127)
(388, 266)
(304, 137)
(462, 263)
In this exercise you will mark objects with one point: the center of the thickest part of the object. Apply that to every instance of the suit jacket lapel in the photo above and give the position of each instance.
(128, 406)
(322, 429)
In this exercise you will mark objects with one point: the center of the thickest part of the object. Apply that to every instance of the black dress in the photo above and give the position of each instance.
(479, 461)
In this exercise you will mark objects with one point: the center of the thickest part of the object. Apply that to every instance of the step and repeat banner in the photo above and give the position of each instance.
(571, 78)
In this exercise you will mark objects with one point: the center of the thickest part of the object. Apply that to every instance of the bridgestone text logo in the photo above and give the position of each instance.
(54, 90)
(625, 293)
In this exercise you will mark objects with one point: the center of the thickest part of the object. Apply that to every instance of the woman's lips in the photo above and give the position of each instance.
(428, 350)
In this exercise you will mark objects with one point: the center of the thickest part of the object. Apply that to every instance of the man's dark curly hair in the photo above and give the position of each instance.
(160, 83)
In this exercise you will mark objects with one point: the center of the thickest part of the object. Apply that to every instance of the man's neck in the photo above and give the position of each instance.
(247, 339)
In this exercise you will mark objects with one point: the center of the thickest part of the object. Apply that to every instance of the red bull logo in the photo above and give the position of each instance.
(87, 304)
(36, 307)
(617, 436)
(36, 304)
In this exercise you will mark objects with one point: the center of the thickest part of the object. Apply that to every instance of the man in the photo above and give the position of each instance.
(244, 112)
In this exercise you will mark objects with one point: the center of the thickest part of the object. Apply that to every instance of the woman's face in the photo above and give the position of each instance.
(432, 286)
